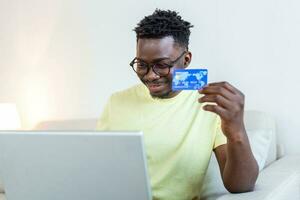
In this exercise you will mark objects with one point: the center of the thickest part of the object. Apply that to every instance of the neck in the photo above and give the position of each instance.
(169, 95)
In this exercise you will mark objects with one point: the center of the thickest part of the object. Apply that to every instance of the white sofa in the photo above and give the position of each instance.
(279, 178)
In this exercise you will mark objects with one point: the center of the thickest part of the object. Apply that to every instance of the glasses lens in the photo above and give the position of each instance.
(140, 67)
(161, 69)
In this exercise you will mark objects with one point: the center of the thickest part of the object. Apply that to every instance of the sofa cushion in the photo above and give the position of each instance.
(256, 120)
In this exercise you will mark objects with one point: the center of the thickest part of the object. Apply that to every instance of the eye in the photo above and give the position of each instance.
(161, 66)
(141, 65)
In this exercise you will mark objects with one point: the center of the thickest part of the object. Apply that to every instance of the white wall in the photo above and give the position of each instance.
(62, 59)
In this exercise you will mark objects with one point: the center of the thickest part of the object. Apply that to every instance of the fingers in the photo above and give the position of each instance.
(222, 112)
(228, 103)
(215, 89)
(225, 90)
(216, 98)
(226, 85)
(229, 100)
(225, 114)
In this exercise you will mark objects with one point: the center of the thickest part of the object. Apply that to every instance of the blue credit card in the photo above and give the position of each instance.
(189, 79)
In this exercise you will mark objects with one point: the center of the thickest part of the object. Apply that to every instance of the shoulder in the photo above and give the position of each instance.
(132, 93)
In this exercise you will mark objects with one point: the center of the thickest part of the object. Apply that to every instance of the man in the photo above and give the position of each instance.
(181, 128)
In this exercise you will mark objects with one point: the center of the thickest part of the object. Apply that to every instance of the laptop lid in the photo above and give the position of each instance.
(59, 165)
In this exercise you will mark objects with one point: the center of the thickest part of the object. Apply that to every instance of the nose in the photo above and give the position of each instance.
(151, 76)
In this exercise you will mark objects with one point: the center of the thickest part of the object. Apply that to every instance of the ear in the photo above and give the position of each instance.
(187, 59)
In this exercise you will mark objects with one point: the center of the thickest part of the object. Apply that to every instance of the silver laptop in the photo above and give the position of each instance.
(73, 165)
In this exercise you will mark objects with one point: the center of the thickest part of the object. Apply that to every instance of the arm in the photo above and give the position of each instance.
(238, 166)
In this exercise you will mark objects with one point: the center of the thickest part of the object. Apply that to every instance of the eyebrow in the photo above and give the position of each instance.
(155, 60)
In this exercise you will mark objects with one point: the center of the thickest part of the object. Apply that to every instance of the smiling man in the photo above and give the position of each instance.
(181, 128)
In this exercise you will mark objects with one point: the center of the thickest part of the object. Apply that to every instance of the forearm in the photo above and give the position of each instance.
(238, 166)
(241, 169)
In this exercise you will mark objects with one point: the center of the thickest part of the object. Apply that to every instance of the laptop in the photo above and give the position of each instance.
(70, 165)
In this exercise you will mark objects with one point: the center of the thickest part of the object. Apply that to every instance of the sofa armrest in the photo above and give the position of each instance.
(279, 181)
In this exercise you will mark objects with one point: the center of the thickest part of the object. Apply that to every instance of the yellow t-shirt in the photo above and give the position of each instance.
(179, 137)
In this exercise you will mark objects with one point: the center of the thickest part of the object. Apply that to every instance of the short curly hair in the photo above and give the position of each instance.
(164, 23)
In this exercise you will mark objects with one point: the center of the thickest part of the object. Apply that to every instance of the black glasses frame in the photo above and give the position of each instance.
(152, 65)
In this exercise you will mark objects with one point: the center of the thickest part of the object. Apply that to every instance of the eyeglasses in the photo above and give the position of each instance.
(160, 68)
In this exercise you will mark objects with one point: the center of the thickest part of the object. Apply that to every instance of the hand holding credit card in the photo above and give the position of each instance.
(189, 79)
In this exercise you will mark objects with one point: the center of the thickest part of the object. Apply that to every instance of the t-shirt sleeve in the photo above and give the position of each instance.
(104, 120)
(220, 138)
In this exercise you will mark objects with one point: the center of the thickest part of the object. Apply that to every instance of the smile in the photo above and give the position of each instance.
(154, 87)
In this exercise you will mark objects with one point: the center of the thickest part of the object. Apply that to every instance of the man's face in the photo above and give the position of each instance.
(162, 50)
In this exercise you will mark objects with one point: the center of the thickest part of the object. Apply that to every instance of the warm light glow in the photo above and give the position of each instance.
(9, 117)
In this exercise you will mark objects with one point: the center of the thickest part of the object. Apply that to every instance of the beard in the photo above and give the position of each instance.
(165, 94)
